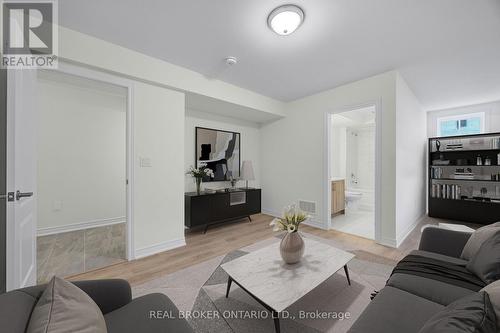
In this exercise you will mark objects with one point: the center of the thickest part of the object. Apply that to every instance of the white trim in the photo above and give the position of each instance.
(391, 242)
(400, 238)
(315, 224)
(160, 247)
(80, 226)
(457, 117)
(378, 166)
(312, 222)
(270, 212)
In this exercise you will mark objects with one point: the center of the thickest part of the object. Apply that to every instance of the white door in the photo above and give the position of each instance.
(21, 178)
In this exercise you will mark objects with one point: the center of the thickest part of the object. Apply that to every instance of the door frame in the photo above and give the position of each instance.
(327, 194)
(87, 73)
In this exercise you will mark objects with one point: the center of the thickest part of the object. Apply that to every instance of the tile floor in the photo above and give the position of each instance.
(75, 252)
(356, 222)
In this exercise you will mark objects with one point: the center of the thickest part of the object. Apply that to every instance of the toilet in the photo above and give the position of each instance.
(352, 199)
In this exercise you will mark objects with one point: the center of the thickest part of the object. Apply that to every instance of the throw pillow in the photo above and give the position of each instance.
(486, 263)
(63, 307)
(477, 239)
(493, 291)
(472, 313)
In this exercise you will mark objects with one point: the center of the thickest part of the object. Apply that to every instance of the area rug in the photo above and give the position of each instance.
(199, 293)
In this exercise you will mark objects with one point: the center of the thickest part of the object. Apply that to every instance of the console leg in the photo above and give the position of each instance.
(249, 218)
(347, 274)
(229, 281)
(206, 228)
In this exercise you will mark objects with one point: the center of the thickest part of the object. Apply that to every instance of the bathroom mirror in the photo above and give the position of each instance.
(220, 151)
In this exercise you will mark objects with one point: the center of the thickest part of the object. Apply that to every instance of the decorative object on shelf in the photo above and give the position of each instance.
(247, 172)
(498, 159)
(479, 160)
(199, 173)
(292, 244)
(487, 161)
(462, 173)
(495, 143)
(438, 145)
(454, 146)
(233, 182)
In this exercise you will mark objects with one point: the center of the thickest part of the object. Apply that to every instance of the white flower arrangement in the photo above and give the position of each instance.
(200, 172)
(292, 218)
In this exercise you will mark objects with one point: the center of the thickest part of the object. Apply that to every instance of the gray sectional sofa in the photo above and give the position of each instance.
(408, 301)
(121, 313)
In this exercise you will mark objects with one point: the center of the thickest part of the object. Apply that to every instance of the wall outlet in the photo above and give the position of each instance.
(57, 205)
(145, 162)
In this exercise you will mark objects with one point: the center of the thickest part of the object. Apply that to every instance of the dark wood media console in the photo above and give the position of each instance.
(207, 209)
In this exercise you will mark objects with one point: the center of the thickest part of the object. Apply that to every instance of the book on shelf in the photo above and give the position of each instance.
(467, 176)
(446, 191)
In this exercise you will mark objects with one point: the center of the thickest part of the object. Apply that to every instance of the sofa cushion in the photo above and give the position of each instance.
(395, 310)
(493, 291)
(472, 313)
(477, 239)
(442, 257)
(149, 313)
(486, 263)
(433, 290)
(16, 310)
(63, 307)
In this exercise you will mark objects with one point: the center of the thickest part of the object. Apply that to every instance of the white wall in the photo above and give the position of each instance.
(491, 110)
(250, 144)
(410, 160)
(81, 154)
(293, 149)
(159, 189)
(362, 157)
(338, 157)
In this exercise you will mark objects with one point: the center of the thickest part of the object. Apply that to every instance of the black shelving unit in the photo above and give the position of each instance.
(461, 188)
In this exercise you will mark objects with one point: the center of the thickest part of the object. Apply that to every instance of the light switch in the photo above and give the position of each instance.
(145, 162)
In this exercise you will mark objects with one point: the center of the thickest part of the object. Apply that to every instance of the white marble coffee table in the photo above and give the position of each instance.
(276, 285)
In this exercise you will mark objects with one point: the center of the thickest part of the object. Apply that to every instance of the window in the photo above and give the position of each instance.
(464, 124)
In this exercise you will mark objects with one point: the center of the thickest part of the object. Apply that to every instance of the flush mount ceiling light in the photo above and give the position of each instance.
(285, 19)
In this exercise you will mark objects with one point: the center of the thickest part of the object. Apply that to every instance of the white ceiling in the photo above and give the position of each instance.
(356, 118)
(447, 50)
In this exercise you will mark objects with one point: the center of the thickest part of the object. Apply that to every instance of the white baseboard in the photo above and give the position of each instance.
(311, 222)
(314, 223)
(391, 242)
(80, 226)
(160, 247)
(270, 212)
(402, 236)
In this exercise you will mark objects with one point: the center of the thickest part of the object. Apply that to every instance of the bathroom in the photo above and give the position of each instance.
(353, 172)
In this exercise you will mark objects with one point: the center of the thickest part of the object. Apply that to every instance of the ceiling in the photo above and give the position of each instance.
(356, 118)
(447, 50)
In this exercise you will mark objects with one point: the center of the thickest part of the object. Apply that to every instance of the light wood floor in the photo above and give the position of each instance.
(222, 239)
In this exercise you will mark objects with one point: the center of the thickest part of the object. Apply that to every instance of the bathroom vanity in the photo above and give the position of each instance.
(338, 197)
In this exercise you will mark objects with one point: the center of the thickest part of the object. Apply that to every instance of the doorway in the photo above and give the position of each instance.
(78, 165)
(81, 174)
(353, 166)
